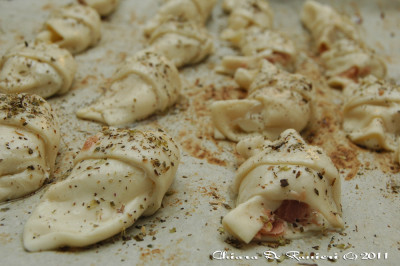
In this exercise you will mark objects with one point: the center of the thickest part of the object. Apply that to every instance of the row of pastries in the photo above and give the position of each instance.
(274, 197)
(370, 108)
(285, 188)
(38, 69)
(145, 162)
(147, 167)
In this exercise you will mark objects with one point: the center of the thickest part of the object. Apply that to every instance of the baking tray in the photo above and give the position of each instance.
(187, 230)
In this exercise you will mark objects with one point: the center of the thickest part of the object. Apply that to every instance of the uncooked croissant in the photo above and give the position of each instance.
(118, 176)
(182, 42)
(29, 140)
(286, 189)
(326, 25)
(347, 61)
(259, 44)
(371, 114)
(73, 27)
(145, 84)
(37, 68)
(277, 101)
(245, 15)
(197, 11)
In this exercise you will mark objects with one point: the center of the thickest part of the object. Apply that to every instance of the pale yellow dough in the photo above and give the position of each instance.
(37, 68)
(276, 101)
(259, 44)
(73, 27)
(371, 114)
(326, 25)
(245, 15)
(144, 84)
(182, 42)
(310, 178)
(197, 11)
(347, 61)
(118, 176)
(30, 135)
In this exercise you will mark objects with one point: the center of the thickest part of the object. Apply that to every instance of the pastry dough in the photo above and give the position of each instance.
(182, 42)
(246, 14)
(145, 84)
(29, 137)
(371, 114)
(257, 45)
(197, 11)
(37, 68)
(277, 101)
(73, 27)
(103, 7)
(326, 25)
(345, 56)
(118, 176)
(347, 61)
(286, 189)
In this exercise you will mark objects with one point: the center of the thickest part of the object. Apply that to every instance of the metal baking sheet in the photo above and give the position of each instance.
(187, 229)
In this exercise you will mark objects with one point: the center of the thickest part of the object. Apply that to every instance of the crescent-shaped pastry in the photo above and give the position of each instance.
(246, 14)
(146, 83)
(103, 7)
(347, 61)
(259, 44)
(182, 42)
(29, 137)
(197, 11)
(37, 68)
(286, 189)
(326, 25)
(73, 27)
(277, 101)
(118, 176)
(371, 114)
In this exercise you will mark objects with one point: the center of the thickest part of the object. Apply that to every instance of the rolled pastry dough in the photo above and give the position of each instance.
(259, 44)
(146, 83)
(371, 114)
(347, 61)
(197, 11)
(277, 101)
(73, 27)
(29, 137)
(286, 189)
(37, 68)
(182, 42)
(118, 176)
(244, 15)
(103, 7)
(326, 25)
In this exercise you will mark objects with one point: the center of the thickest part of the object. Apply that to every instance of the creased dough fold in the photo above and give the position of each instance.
(371, 114)
(182, 42)
(146, 83)
(276, 101)
(118, 176)
(73, 27)
(30, 137)
(197, 11)
(285, 188)
(37, 68)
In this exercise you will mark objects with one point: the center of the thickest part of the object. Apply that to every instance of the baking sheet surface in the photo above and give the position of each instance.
(187, 229)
